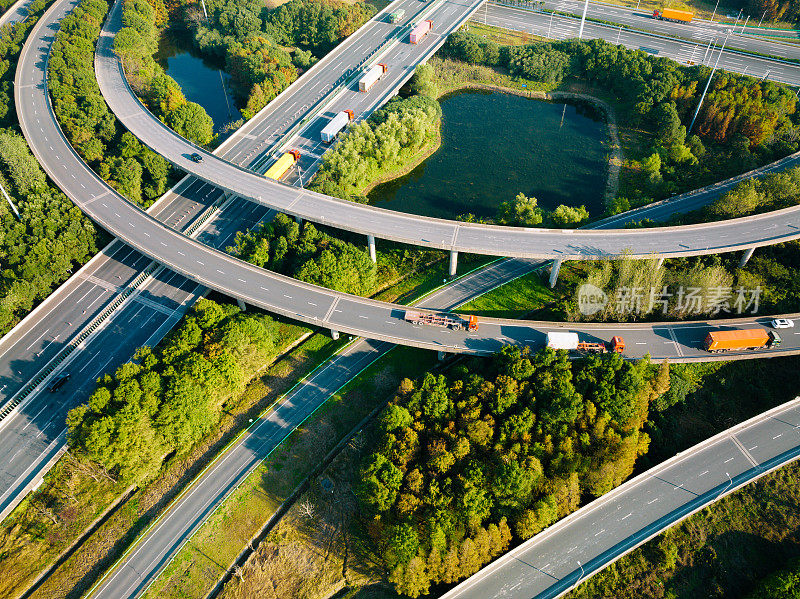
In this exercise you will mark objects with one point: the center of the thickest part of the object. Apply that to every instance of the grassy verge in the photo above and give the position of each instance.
(208, 554)
(515, 299)
(72, 577)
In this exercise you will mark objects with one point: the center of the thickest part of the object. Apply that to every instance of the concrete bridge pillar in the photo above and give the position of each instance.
(334, 334)
(371, 245)
(554, 272)
(242, 305)
(299, 221)
(747, 255)
(441, 355)
(453, 262)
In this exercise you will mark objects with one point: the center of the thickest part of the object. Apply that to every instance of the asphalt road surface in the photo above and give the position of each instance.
(590, 539)
(699, 31)
(754, 231)
(562, 27)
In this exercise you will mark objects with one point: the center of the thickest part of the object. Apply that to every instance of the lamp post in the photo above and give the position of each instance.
(715, 11)
(582, 572)
(583, 19)
(700, 103)
(10, 203)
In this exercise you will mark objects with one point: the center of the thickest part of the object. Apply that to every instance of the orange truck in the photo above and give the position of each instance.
(740, 339)
(450, 321)
(670, 14)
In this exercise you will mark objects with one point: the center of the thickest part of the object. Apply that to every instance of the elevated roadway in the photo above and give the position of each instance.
(668, 242)
(585, 542)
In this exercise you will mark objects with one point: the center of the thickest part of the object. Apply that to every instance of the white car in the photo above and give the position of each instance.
(782, 323)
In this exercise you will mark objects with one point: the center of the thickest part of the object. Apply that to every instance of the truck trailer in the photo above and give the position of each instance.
(335, 125)
(670, 14)
(371, 77)
(571, 342)
(420, 30)
(397, 15)
(741, 339)
(284, 163)
(450, 321)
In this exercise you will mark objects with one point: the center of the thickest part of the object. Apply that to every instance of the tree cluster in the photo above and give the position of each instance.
(464, 460)
(317, 25)
(135, 171)
(37, 252)
(525, 212)
(135, 44)
(378, 145)
(308, 255)
(251, 39)
(774, 10)
(170, 397)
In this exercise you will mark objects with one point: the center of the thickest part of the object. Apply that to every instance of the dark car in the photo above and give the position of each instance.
(59, 382)
(196, 157)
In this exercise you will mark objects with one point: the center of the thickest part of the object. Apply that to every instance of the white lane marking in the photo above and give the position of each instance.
(600, 532)
(200, 263)
(776, 436)
(702, 474)
(628, 516)
(243, 281)
(311, 303)
(728, 460)
(362, 316)
(653, 501)
(289, 296)
(752, 448)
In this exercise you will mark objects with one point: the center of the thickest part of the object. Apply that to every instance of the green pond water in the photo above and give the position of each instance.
(201, 80)
(495, 146)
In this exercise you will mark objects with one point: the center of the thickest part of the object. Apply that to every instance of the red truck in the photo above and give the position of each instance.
(670, 14)
(450, 321)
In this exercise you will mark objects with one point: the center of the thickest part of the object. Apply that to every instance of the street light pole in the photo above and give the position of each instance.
(550, 25)
(730, 484)
(707, 50)
(10, 203)
(203, 3)
(583, 19)
(745, 23)
(700, 103)
(582, 572)
(715, 11)
(619, 34)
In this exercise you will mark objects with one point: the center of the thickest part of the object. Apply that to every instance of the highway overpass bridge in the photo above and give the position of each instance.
(239, 149)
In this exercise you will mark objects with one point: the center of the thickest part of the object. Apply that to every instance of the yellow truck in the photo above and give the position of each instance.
(670, 14)
(285, 162)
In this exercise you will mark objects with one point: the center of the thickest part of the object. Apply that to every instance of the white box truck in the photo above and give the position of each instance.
(335, 125)
(558, 340)
(371, 77)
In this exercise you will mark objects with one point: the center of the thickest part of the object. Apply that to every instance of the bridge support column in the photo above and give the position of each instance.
(371, 245)
(747, 255)
(299, 221)
(453, 262)
(554, 272)
(334, 334)
(242, 305)
(441, 355)
(660, 263)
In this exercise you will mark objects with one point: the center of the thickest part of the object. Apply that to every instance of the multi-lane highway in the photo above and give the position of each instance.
(699, 31)
(754, 231)
(246, 149)
(553, 26)
(554, 561)
(273, 292)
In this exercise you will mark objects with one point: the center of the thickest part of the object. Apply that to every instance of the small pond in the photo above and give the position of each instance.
(200, 79)
(497, 145)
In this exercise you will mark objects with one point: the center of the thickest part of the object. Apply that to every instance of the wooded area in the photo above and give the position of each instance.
(378, 145)
(116, 155)
(251, 39)
(135, 44)
(169, 398)
(498, 449)
(308, 255)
